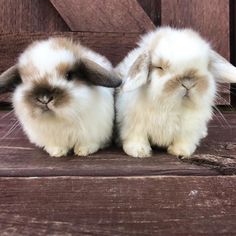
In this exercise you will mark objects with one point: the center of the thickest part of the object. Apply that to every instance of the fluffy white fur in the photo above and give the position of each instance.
(145, 114)
(85, 124)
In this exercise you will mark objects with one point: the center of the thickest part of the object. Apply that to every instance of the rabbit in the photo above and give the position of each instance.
(168, 91)
(63, 96)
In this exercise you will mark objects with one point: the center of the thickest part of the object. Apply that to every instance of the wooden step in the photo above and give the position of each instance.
(215, 156)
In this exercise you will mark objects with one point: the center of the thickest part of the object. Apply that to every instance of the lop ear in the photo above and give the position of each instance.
(98, 75)
(9, 79)
(221, 69)
(138, 73)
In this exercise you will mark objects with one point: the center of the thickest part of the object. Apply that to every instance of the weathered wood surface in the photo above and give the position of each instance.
(104, 15)
(153, 10)
(20, 158)
(118, 206)
(18, 16)
(218, 150)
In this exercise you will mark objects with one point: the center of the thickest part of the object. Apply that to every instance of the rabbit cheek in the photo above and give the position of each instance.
(62, 99)
(171, 87)
(202, 86)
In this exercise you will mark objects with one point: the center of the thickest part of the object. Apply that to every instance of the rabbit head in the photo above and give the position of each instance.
(53, 75)
(177, 65)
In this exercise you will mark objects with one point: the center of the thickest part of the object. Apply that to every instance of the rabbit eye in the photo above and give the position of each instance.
(69, 75)
(159, 68)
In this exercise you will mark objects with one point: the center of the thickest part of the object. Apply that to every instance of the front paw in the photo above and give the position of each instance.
(85, 150)
(56, 151)
(181, 150)
(137, 150)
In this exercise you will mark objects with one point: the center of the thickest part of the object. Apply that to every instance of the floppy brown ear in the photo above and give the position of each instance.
(221, 69)
(138, 73)
(9, 79)
(98, 75)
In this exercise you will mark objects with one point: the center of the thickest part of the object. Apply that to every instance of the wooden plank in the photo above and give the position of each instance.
(210, 18)
(113, 45)
(104, 15)
(29, 16)
(20, 158)
(118, 206)
(153, 10)
(24, 160)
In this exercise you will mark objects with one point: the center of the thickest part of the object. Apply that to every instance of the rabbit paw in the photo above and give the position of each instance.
(85, 150)
(180, 150)
(137, 150)
(56, 151)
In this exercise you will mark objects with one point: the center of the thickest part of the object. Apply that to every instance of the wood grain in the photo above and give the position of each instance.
(152, 9)
(215, 156)
(104, 15)
(118, 206)
(18, 16)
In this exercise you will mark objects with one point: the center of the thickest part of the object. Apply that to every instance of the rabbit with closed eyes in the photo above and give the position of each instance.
(62, 96)
(169, 88)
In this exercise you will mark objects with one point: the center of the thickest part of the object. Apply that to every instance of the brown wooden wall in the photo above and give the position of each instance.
(111, 27)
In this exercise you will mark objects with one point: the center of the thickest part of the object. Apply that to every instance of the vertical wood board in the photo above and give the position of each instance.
(104, 15)
(18, 16)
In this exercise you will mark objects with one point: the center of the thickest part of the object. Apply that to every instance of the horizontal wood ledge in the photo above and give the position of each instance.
(118, 206)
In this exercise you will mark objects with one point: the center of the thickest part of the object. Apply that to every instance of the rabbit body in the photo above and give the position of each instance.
(167, 94)
(58, 101)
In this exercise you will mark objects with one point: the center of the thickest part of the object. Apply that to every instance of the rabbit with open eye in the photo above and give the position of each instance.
(63, 96)
(169, 88)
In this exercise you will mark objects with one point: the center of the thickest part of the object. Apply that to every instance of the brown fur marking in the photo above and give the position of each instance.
(193, 75)
(138, 65)
(61, 97)
(202, 85)
(63, 68)
(172, 85)
(60, 43)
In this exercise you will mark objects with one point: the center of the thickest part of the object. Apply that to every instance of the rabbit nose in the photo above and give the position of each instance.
(44, 99)
(188, 83)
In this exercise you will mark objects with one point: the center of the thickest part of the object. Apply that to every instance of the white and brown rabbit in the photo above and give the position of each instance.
(60, 97)
(169, 88)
